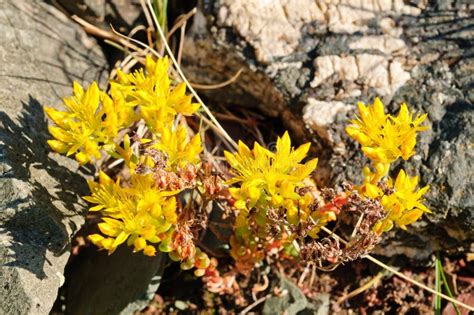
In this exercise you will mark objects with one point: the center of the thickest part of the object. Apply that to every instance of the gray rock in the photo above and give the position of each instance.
(293, 301)
(41, 208)
(309, 67)
(41, 52)
(122, 14)
(121, 283)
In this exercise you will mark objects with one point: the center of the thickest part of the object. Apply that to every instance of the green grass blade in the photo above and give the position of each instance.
(437, 287)
(446, 286)
(161, 10)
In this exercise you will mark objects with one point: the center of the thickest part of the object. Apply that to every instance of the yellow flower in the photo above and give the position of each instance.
(150, 89)
(266, 180)
(91, 120)
(139, 213)
(126, 153)
(404, 205)
(76, 129)
(105, 193)
(179, 149)
(117, 113)
(270, 179)
(381, 170)
(385, 138)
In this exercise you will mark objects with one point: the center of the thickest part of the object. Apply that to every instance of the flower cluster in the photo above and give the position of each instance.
(384, 139)
(402, 201)
(92, 119)
(151, 91)
(140, 214)
(140, 207)
(272, 186)
(179, 149)
(270, 179)
(90, 123)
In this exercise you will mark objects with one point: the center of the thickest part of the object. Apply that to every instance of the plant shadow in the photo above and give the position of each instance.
(40, 205)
